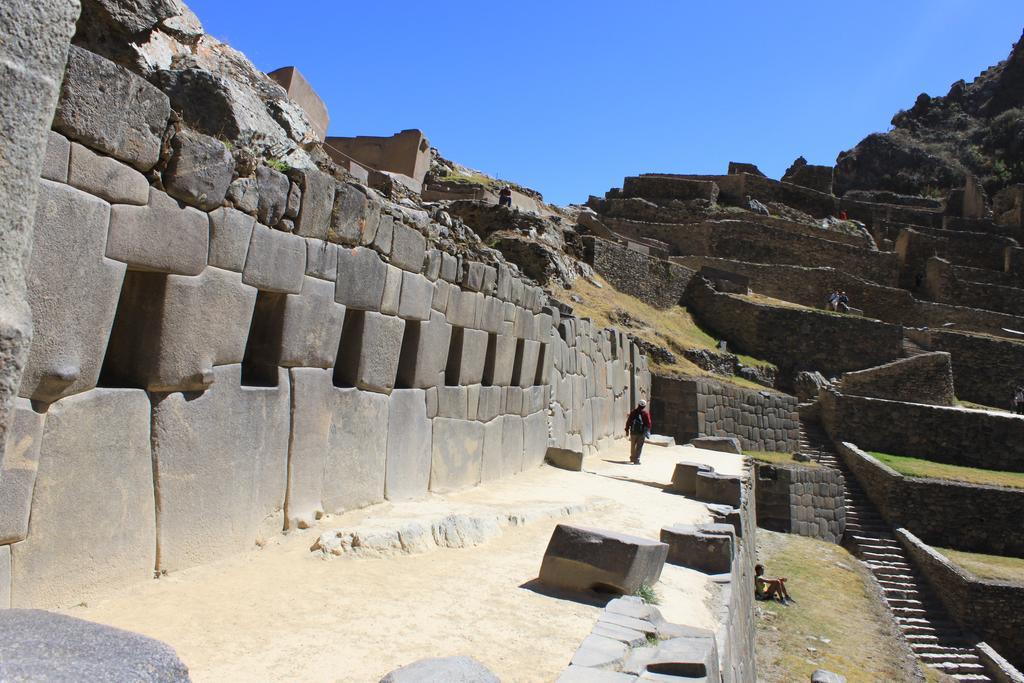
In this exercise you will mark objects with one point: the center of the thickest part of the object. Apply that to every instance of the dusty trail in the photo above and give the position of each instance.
(283, 613)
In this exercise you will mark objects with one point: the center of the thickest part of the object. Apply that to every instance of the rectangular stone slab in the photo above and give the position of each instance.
(584, 559)
(409, 446)
(355, 461)
(311, 325)
(162, 236)
(275, 262)
(457, 454)
(370, 351)
(18, 474)
(72, 290)
(697, 548)
(222, 467)
(93, 498)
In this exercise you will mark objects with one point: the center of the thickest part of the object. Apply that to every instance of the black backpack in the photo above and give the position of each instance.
(637, 425)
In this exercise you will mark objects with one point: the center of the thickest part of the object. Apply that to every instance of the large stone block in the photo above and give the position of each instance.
(417, 294)
(162, 236)
(72, 290)
(491, 458)
(466, 356)
(512, 447)
(108, 108)
(317, 202)
(524, 370)
(684, 477)
(172, 330)
(706, 549)
(361, 277)
(321, 259)
(43, 646)
(18, 474)
(457, 454)
(392, 295)
(442, 670)
(424, 352)
(464, 307)
(409, 452)
(5, 577)
(230, 235)
(504, 358)
(105, 177)
(273, 188)
(370, 350)
(408, 248)
(311, 423)
(93, 498)
(565, 459)
(354, 216)
(717, 488)
(199, 170)
(275, 262)
(311, 325)
(58, 155)
(725, 444)
(535, 439)
(453, 402)
(221, 462)
(582, 559)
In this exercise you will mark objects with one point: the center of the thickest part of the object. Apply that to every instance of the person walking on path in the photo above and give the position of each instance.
(638, 428)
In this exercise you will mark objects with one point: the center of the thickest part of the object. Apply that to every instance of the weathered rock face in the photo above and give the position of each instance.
(976, 128)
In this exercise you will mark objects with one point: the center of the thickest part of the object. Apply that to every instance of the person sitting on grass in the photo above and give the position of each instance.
(767, 589)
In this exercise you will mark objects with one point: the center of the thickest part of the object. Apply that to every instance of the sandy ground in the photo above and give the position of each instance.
(285, 613)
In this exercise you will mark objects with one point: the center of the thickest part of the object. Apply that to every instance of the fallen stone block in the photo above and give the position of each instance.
(361, 276)
(565, 459)
(457, 458)
(725, 444)
(726, 514)
(629, 636)
(709, 551)
(599, 652)
(93, 497)
(659, 440)
(172, 330)
(199, 170)
(221, 462)
(18, 474)
(106, 177)
(70, 331)
(582, 559)
(684, 477)
(162, 236)
(442, 670)
(230, 235)
(370, 349)
(110, 109)
(409, 446)
(691, 658)
(717, 488)
(43, 646)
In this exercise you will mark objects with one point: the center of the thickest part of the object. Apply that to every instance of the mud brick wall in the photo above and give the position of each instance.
(994, 610)
(986, 370)
(688, 407)
(757, 243)
(654, 281)
(217, 358)
(810, 286)
(926, 378)
(801, 500)
(794, 339)
(950, 514)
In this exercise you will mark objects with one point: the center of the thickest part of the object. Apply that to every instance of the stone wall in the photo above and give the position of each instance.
(748, 241)
(810, 286)
(794, 338)
(688, 407)
(943, 284)
(801, 500)
(958, 436)
(993, 610)
(735, 606)
(407, 152)
(654, 281)
(218, 357)
(951, 514)
(986, 370)
(926, 378)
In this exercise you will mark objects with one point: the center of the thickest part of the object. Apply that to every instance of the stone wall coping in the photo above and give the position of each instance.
(997, 666)
(890, 472)
(963, 575)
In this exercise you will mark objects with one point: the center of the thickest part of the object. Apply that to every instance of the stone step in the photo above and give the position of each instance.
(903, 602)
(948, 656)
(922, 638)
(970, 678)
(958, 667)
(908, 612)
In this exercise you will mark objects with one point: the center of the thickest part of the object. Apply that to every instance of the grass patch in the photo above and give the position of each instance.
(837, 622)
(916, 467)
(470, 179)
(672, 328)
(648, 594)
(770, 301)
(778, 458)
(971, 405)
(277, 165)
(987, 566)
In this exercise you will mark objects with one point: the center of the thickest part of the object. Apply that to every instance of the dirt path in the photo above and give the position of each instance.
(284, 613)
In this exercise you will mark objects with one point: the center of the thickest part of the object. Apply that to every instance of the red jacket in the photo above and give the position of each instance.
(645, 415)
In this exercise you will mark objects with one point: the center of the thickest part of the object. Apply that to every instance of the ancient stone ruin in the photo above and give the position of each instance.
(222, 328)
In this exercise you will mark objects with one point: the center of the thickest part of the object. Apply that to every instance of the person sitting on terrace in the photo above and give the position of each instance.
(843, 303)
(833, 299)
(767, 589)
(505, 197)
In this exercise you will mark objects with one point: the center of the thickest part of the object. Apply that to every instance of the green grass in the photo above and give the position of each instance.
(836, 624)
(470, 179)
(778, 458)
(277, 165)
(987, 566)
(980, 406)
(648, 594)
(916, 467)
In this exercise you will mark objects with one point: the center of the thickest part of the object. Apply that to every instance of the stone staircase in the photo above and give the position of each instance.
(933, 637)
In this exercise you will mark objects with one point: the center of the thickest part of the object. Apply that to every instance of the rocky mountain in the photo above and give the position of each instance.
(976, 128)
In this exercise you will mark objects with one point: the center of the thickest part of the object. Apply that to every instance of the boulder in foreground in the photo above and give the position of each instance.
(442, 670)
(580, 559)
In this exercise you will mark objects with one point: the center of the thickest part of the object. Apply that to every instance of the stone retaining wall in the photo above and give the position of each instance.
(944, 285)
(993, 610)
(958, 436)
(735, 607)
(793, 338)
(654, 281)
(984, 519)
(801, 500)
(218, 358)
(688, 407)
(925, 378)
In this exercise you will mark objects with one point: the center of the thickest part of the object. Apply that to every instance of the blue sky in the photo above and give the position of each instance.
(570, 96)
